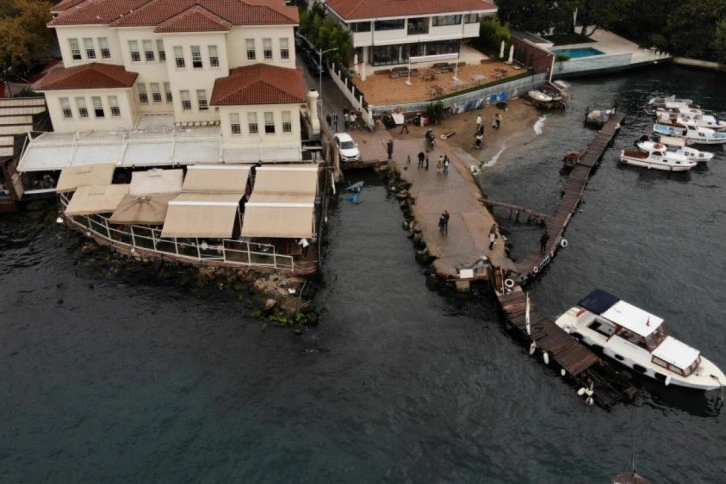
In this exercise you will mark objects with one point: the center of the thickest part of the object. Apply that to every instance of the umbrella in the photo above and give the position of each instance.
(147, 209)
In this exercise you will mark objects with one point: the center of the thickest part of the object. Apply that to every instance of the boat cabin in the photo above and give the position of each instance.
(614, 318)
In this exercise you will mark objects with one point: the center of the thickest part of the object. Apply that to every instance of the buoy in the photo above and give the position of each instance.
(532, 348)
(563, 372)
(508, 283)
(564, 243)
(536, 269)
(59, 220)
(546, 358)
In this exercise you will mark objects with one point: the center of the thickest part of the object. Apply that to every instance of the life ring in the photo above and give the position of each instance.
(508, 283)
(564, 243)
(536, 269)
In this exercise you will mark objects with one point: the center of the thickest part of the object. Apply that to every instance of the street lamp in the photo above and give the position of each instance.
(320, 79)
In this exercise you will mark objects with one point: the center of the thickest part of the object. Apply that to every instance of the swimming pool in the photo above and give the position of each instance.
(577, 52)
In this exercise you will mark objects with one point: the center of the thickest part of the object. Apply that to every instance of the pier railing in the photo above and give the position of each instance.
(147, 241)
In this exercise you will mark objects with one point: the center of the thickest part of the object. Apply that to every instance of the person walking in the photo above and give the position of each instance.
(421, 157)
(440, 164)
(498, 120)
(494, 122)
(478, 140)
(444, 223)
(346, 119)
(427, 162)
(404, 127)
(492, 240)
(335, 122)
(329, 119)
(389, 148)
(446, 164)
(478, 122)
(543, 242)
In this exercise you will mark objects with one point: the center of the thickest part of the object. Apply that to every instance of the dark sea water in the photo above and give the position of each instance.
(111, 378)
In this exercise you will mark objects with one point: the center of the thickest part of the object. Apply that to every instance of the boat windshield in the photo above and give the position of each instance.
(656, 337)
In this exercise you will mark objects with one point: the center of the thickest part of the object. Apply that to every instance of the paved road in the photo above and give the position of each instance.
(334, 101)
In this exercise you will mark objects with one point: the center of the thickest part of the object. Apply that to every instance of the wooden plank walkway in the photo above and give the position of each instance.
(579, 362)
(573, 191)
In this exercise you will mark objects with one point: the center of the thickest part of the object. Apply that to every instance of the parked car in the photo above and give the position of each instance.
(347, 148)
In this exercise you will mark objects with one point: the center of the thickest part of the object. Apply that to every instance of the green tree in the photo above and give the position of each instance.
(691, 28)
(530, 15)
(23, 30)
(719, 41)
(491, 34)
(324, 34)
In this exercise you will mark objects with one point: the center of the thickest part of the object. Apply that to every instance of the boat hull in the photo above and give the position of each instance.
(632, 160)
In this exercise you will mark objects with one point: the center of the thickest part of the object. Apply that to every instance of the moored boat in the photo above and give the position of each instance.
(598, 117)
(659, 102)
(690, 153)
(701, 120)
(656, 156)
(695, 134)
(640, 341)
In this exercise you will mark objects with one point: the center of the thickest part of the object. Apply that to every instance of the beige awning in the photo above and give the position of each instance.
(208, 215)
(278, 220)
(217, 178)
(287, 180)
(146, 209)
(73, 177)
(96, 199)
(156, 181)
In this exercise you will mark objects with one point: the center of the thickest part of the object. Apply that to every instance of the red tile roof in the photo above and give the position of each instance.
(151, 13)
(259, 84)
(195, 19)
(65, 4)
(88, 76)
(371, 9)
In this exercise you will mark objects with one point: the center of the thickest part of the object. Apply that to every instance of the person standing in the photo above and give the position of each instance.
(477, 141)
(478, 122)
(335, 122)
(492, 240)
(421, 157)
(444, 223)
(346, 120)
(543, 242)
(404, 127)
(427, 162)
(389, 148)
(440, 164)
(353, 120)
(494, 122)
(329, 119)
(446, 164)
(498, 120)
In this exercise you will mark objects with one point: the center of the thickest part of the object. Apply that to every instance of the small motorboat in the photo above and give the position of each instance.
(701, 120)
(598, 117)
(695, 134)
(355, 187)
(654, 155)
(690, 153)
(545, 98)
(656, 103)
(638, 340)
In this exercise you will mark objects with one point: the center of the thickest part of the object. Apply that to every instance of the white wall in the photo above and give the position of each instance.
(277, 146)
(237, 47)
(126, 120)
(88, 31)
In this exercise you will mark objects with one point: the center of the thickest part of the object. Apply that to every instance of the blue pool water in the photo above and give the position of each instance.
(578, 52)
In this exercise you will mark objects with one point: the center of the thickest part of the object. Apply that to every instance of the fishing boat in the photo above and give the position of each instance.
(545, 98)
(693, 133)
(656, 156)
(690, 153)
(598, 117)
(638, 340)
(702, 120)
(658, 102)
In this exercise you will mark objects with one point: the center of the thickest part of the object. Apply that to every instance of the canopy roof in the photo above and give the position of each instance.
(217, 178)
(146, 209)
(632, 318)
(676, 353)
(156, 181)
(285, 183)
(278, 220)
(89, 200)
(73, 177)
(208, 215)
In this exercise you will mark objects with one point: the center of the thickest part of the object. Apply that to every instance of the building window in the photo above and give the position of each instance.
(66, 107)
(113, 102)
(250, 49)
(391, 24)
(252, 123)
(267, 48)
(202, 100)
(103, 46)
(269, 123)
(443, 20)
(360, 27)
(155, 92)
(186, 100)
(286, 122)
(82, 109)
(160, 49)
(167, 92)
(234, 123)
(75, 49)
(418, 26)
(148, 51)
(90, 50)
(471, 18)
(143, 96)
(196, 57)
(284, 48)
(134, 49)
(213, 56)
(179, 55)
(98, 107)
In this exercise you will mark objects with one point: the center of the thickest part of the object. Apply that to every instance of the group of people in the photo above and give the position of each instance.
(479, 133)
(444, 223)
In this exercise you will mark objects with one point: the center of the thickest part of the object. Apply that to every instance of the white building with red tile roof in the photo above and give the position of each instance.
(219, 65)
(390, 32)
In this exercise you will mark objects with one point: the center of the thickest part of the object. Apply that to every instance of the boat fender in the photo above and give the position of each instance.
(546, 358)
(536, 269)
(508, 283)
(564, 243)
(532, 348)
(590, 401)
(563, 372)
(581, 391)
(667, 380)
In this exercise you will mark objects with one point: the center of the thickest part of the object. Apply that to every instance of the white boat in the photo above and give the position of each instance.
(546, 98)
(690, 153)
(539, 96)
(693, 133)
(656, 103)
(638, 340)
(656, 156)
(701, 120)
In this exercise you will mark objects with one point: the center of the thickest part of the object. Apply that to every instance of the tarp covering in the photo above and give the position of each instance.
(145, 209)
(207, 215)
(156, 181)
(278, 220)
(96, 199)
(217, 178)
(73, 177)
